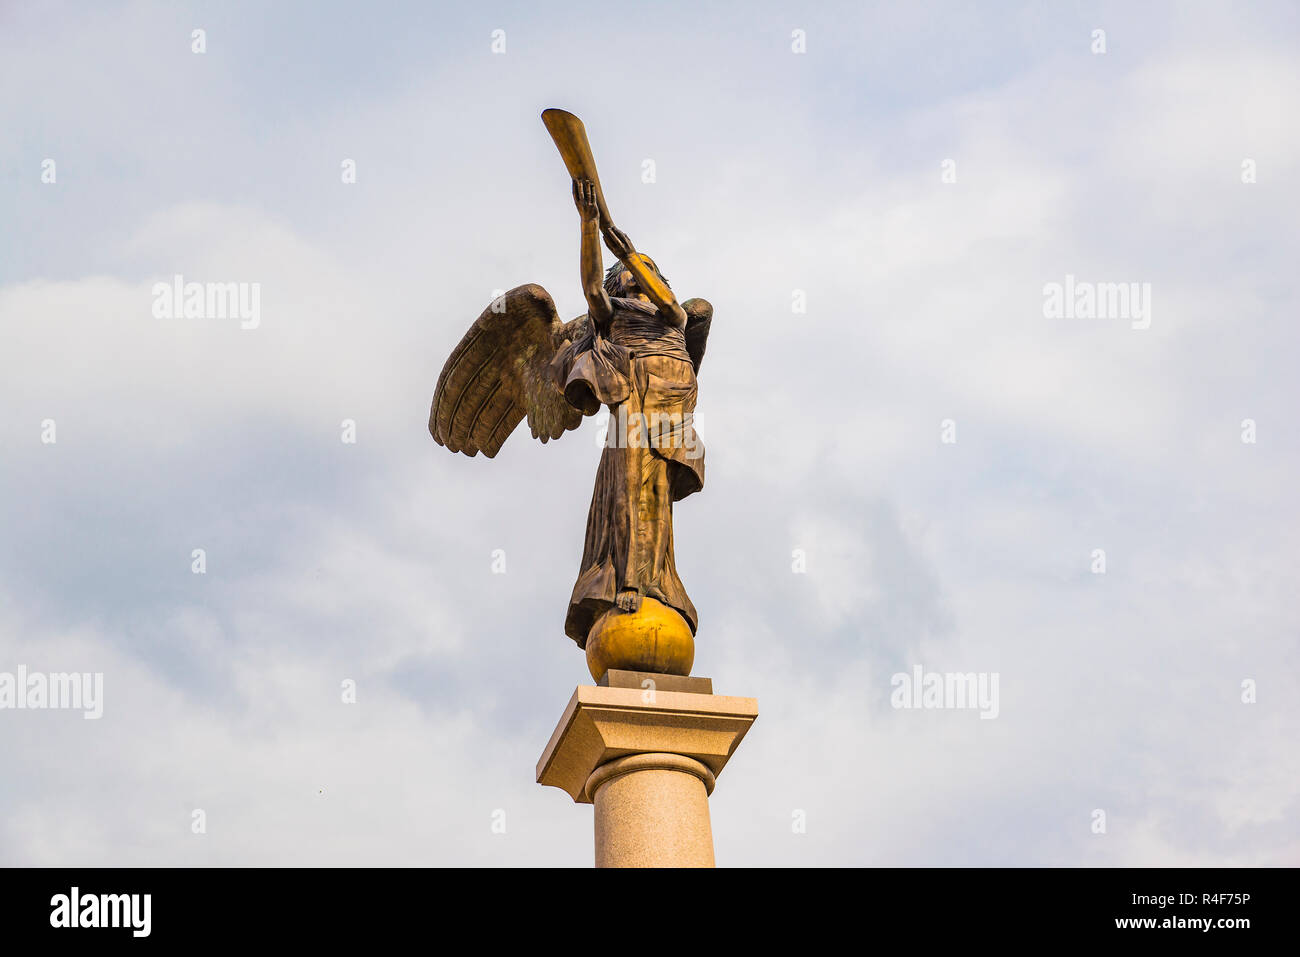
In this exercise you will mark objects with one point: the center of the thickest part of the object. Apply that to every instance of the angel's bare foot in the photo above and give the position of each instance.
(628, 600)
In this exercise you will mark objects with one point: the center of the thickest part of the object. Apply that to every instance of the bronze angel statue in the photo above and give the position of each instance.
(636, 352)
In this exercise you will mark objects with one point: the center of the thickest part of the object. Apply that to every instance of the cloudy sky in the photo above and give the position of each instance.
(916, 177)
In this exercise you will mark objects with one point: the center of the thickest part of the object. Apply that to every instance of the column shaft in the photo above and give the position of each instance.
(652, 810)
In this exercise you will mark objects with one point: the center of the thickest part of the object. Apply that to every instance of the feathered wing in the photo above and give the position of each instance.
(699, 315)
(500, 373)
(573, 330)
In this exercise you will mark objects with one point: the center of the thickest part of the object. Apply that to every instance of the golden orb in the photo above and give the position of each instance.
(654, 638)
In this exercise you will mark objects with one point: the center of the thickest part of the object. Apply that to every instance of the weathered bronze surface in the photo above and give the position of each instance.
(636, 352)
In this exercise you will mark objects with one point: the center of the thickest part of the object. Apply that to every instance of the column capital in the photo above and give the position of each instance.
(648, 761)
(602, 725)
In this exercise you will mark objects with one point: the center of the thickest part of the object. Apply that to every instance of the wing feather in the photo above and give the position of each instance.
(699, 316)
(499, 374)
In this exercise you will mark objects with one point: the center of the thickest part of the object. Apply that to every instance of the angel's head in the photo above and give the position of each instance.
(621, 284)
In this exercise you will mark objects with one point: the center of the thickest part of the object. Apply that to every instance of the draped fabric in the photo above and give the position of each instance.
(652, 458)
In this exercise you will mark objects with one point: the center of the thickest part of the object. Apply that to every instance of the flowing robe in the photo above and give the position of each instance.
(652, 457)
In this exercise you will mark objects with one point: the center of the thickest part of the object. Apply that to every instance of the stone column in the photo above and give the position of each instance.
(652, 810)
(646, 750)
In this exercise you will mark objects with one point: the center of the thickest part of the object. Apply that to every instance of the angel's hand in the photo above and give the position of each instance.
(584, 197)
(617, 242)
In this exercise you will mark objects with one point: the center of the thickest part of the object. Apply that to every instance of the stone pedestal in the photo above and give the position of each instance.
(646, 750)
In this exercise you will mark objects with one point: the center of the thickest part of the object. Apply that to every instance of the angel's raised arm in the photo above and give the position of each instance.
(593, 269)
(649, 281)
